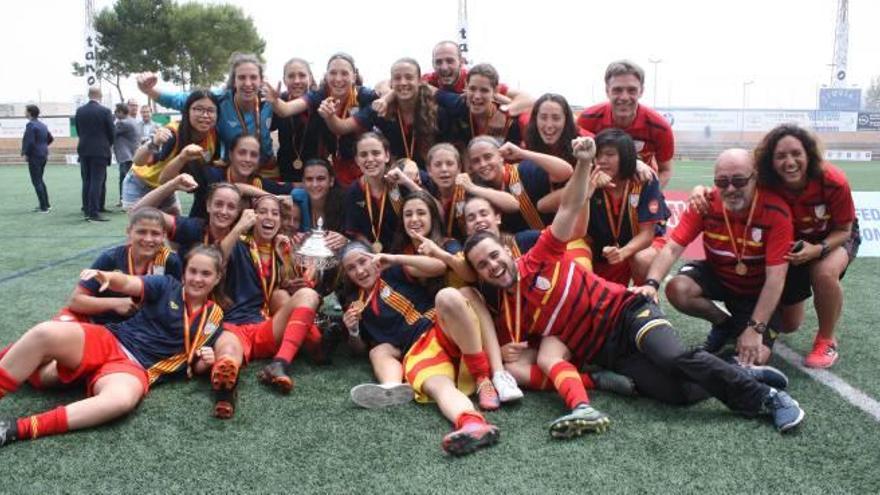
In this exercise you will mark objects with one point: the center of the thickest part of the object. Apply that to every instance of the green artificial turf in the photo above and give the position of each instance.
(316, 441)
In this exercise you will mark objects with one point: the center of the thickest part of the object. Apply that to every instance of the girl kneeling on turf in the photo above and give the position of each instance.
(168, 337)
(433, 336)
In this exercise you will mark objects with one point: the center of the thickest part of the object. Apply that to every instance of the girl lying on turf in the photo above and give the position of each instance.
(169, 336)
(432, 336)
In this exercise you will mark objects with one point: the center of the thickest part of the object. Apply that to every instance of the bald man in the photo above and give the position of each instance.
(95, 128)
(747, 232)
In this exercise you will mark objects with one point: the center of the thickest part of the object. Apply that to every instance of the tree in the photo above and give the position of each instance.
(188, 44)
(872, 95)
(132, 37)
(204, 38)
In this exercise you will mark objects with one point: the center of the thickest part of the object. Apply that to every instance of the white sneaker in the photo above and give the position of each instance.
(506, 386)
(375, 396)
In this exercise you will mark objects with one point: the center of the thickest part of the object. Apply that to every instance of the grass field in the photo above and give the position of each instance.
(316, 441)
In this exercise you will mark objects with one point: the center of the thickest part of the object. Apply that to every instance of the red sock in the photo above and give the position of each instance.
(8, 384)
(44, 424)
(468, 417)
(478, 365)
(538, 380)
(569, 384)
(301, 320)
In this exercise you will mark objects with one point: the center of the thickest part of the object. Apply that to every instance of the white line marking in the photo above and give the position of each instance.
(852, 395)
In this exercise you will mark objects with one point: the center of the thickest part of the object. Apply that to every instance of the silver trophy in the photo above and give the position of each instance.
(313, 254)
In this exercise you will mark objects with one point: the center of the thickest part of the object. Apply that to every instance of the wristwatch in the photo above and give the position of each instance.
(825, 249)
(759, 326)
(653, 283)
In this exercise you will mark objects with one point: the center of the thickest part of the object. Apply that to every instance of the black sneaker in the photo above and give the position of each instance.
(610, 381)
(8, 431)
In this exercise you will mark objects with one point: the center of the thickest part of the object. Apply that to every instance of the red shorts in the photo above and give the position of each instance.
(67, 315)
(102, 355)
(257, 339)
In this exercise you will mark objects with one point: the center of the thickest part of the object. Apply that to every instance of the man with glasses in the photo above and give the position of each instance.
(747, 231)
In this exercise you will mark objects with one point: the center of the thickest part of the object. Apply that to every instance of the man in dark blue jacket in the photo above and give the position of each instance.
(35, 147)
(94, 126)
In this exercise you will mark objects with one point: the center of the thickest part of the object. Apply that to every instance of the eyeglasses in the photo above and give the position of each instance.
(209, 111)
(738, 182)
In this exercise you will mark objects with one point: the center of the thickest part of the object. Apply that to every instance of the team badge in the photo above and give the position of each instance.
(640, 145)
(385, 292)
(362, 204)
(159, 270)
(819, 210)
(516, 188)
(542, 283)
(634, 200)
(173, 305)
(654, 206)
(757, 233)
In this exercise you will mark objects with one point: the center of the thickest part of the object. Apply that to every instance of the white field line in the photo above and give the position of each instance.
(851, 394)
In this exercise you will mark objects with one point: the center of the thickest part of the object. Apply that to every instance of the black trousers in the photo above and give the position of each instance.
(646, 348)
(93, 170)
(36, 167)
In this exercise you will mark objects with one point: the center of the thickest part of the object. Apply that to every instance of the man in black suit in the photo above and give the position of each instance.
(94, 126)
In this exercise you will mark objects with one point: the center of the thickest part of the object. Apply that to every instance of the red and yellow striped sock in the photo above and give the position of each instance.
(538, 380)
(8, 384)
(468, 417)
(298, 326)
(569, 384)
(42, 425)
(477, 364)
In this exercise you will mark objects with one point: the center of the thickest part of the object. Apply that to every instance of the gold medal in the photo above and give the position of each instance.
(297, 164)
(358, 306)
(377, 247)
(741, 268)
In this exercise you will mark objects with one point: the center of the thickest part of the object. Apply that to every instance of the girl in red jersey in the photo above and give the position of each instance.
(789, 161)
(169, 336)
(438, 339)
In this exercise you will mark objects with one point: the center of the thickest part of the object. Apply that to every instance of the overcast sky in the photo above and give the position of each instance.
(708, 48)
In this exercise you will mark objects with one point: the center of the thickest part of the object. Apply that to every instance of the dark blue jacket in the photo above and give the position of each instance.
(36, 140)
(94, 126)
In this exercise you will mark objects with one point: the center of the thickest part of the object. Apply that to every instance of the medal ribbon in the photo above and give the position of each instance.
(736, 252)
(609, 206)
(244, 127)
(130, 259)
(407, 147)
(267, 286)
(514, 330)
(457, 196)
(377, 230)
(190, 349)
